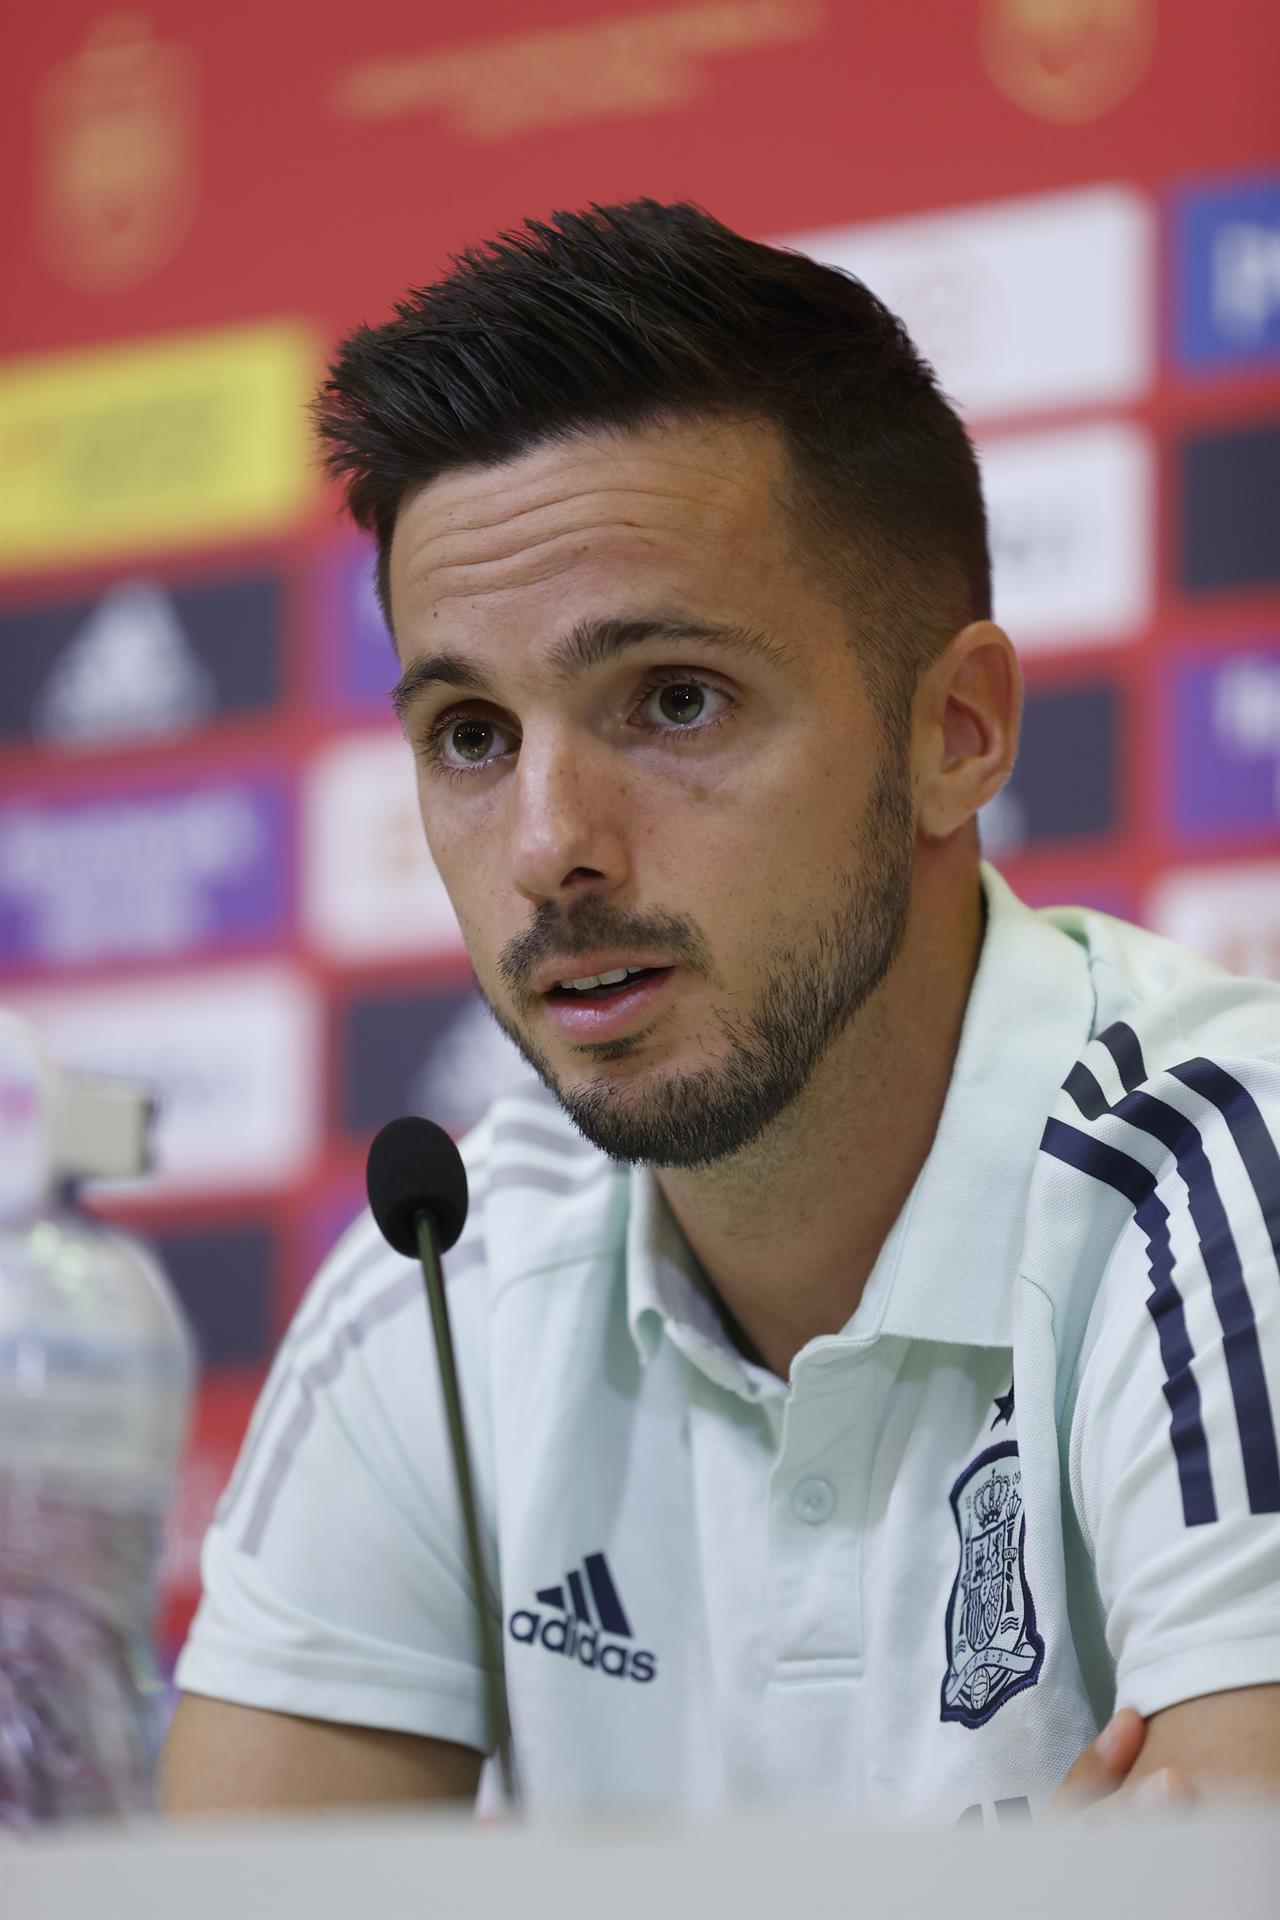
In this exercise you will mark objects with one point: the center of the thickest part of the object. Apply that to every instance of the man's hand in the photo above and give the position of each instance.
(1103, 1769)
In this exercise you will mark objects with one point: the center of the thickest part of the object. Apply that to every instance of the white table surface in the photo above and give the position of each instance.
(1206, 1866)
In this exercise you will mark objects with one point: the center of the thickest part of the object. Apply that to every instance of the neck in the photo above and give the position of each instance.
(788, 1231)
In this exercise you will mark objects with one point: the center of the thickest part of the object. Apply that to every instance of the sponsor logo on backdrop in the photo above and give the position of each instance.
(233, 1057)
(146, 662)
(1231, 914)
(1230, 486)
(1064, 786)
(1072, 522)
(129, 674)
(1067, 61)
(173, 871)
(1227, 290)
(1225, 765)
(370, 888)
(496, 88)
(117, 156)
(1019, 304)
(153, 443)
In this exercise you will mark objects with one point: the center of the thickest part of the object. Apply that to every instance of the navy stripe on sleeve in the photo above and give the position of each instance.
(1121, 1042)
(1254, 1144)
(1245, 1372)
(1230, 1293)
(1164, 1303)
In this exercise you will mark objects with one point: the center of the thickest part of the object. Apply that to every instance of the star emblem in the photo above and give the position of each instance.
(1004, 1408)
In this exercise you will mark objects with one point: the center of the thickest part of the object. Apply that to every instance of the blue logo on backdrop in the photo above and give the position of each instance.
(161, 872)
(1227, 292)
(1226, 748)
(993, 1649)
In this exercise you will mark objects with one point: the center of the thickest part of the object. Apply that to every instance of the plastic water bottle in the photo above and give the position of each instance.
(96, 1370)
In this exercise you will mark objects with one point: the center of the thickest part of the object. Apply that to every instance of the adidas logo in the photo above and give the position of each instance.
(576, 1628)
(129, 674)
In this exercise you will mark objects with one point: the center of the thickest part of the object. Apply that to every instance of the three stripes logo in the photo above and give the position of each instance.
(589, 1627)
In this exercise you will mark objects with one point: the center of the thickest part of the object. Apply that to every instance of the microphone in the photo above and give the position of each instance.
(417, 1188)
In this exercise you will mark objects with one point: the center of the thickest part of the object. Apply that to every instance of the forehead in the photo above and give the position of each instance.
(700, 504)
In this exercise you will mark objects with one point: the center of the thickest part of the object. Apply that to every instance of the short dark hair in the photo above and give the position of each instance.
(624, 316)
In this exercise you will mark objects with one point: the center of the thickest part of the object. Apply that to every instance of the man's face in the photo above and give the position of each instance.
(643, 743)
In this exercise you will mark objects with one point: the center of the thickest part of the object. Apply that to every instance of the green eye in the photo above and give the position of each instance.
(471, 739)
(682, 700)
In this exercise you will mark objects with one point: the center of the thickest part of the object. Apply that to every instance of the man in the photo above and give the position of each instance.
(864, 1323)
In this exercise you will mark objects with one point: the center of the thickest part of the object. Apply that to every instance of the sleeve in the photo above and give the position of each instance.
(1173, 1455)
(335, 1580)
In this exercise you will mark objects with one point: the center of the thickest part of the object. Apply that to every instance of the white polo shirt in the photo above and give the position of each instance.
(1029, 1479)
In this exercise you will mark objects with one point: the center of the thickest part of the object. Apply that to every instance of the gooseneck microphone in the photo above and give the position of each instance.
(417, 1189)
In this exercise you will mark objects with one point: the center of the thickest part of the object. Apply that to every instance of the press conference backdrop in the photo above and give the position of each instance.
(211, 870)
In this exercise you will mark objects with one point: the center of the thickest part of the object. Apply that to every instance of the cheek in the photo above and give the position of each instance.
(466, 875)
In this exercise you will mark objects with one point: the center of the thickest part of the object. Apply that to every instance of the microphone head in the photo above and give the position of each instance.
(415, 1168)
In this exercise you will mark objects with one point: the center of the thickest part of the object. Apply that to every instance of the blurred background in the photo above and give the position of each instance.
(212, 875)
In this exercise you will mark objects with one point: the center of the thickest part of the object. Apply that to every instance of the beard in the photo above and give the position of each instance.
(813, 989)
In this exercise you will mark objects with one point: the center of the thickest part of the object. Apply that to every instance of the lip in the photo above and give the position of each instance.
(583, 1022)
(588, 966)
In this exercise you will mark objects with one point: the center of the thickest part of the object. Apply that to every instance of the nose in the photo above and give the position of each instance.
(567, 832)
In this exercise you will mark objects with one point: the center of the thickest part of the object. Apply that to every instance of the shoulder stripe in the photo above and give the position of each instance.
(1121, 1042)
(322, 1373)
(1254, 1144)
(303, 1328)
(1228, 1286)
(1086, 1092)
(1164, 1302)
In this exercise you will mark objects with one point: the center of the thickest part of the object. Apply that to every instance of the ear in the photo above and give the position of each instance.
(965, 727)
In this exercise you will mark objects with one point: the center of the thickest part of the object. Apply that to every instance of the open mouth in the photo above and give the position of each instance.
(608, 987)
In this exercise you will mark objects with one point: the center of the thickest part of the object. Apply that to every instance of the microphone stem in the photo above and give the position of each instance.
(496, 1709)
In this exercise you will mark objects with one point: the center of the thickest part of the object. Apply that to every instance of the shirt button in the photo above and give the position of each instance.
(813, 1500)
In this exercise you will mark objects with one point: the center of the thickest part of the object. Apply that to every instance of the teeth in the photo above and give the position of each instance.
(600, 979)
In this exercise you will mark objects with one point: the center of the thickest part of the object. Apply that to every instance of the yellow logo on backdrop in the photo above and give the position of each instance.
(638, 63)
(1067, 60)
(116, 157)
(158, 443)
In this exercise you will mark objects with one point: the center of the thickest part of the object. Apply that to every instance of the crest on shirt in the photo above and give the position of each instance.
(993, 1649)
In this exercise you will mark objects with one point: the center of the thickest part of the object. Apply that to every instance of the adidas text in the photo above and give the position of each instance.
(577, 1641)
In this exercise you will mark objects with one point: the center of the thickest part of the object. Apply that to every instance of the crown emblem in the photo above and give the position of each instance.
(991, 1500)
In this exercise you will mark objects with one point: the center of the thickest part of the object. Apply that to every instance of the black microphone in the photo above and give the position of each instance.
(417, 1189)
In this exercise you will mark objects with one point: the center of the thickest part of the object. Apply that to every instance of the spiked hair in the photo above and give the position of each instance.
(628, 316)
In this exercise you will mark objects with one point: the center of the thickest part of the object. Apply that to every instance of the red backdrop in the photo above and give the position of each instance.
(208, 868)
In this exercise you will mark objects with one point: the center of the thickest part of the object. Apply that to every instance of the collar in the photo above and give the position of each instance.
(946, 1270)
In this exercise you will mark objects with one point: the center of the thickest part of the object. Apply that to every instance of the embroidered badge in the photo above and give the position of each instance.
(993, 1649)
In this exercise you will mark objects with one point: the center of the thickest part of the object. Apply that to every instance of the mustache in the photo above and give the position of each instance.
(591, 923)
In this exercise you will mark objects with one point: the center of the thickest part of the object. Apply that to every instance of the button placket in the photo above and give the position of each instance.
(817, 1492)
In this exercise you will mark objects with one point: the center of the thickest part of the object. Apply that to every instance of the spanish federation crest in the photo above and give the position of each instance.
(993, 1649)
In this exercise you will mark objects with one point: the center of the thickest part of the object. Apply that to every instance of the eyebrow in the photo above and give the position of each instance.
(589, 644)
